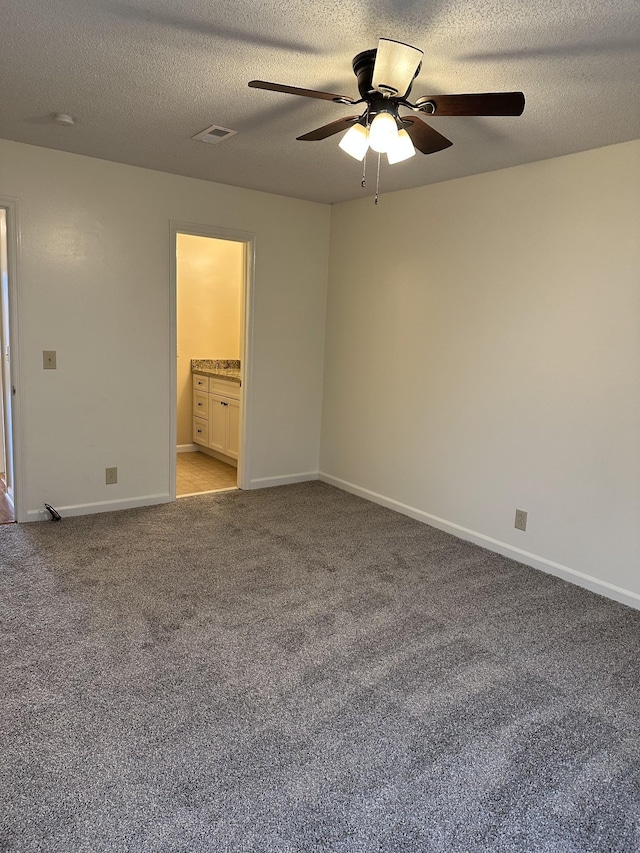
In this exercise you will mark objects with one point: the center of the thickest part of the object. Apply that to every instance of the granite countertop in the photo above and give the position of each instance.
(221, 368)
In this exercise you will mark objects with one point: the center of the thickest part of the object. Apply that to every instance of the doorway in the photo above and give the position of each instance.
(7, 467)
(211, 278)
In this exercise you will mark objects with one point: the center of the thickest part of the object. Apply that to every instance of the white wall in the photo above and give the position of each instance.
(483, 354)
(94, 285)
(482, 347)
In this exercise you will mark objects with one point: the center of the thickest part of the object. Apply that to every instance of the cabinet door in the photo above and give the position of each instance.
(218, 422)
(233, 437)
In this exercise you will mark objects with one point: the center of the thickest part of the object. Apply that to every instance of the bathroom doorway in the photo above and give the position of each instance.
(212, 277)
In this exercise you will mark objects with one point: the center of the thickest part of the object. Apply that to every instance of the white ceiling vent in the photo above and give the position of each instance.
(214, 134)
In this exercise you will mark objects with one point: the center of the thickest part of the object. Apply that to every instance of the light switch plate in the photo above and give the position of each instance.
(49, 359)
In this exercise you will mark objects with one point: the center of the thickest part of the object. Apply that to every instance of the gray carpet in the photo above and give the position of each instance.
(300, 670)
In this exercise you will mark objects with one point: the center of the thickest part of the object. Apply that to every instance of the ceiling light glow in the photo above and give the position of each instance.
(383, 132)
(355, 141)
(401, 149)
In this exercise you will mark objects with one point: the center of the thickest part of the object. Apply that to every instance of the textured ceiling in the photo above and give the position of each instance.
(142, 77)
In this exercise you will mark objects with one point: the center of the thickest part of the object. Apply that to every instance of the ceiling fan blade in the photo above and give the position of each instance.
(395, 67)
(424, 137)
(294, 90)
(329, 129)
(492, 104)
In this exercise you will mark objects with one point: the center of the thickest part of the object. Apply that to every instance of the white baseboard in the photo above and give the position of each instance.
(284, 480)
(102, 506)
(608, 590)
(187, 448)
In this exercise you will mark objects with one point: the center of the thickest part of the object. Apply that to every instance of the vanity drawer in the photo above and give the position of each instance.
(224, 387)
(200, 432)
(200, 404)
(200, 383)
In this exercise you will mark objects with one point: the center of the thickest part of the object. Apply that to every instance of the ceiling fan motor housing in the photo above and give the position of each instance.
(363, 69)
(379, 104)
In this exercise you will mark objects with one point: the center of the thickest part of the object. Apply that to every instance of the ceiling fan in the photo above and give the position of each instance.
(385, 76)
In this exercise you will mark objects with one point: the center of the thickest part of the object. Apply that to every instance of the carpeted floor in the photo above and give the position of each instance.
(296, 669)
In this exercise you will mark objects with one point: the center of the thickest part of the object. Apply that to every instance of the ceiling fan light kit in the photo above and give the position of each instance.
(385, 76)
(383, 133)
(397, 145)
(402, 149)
(355, 142)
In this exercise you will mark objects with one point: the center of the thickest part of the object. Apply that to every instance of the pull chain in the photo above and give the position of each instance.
(378, 179)
(363, 182)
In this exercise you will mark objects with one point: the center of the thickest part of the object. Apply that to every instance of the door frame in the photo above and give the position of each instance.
(249, 241)
(10, 206)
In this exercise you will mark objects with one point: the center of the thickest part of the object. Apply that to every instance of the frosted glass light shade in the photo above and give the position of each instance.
(401, 149)
(355, 141)
(383, 132)
(395, 66)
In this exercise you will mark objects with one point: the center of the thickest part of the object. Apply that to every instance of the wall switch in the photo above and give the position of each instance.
(521, 520)
(111, 476)
(49, 359)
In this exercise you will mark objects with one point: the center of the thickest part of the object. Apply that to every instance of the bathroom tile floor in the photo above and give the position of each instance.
(197, 472)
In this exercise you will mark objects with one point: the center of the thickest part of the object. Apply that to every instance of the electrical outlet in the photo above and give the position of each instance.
(48, 359)
(521, 520)
(111, 476)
